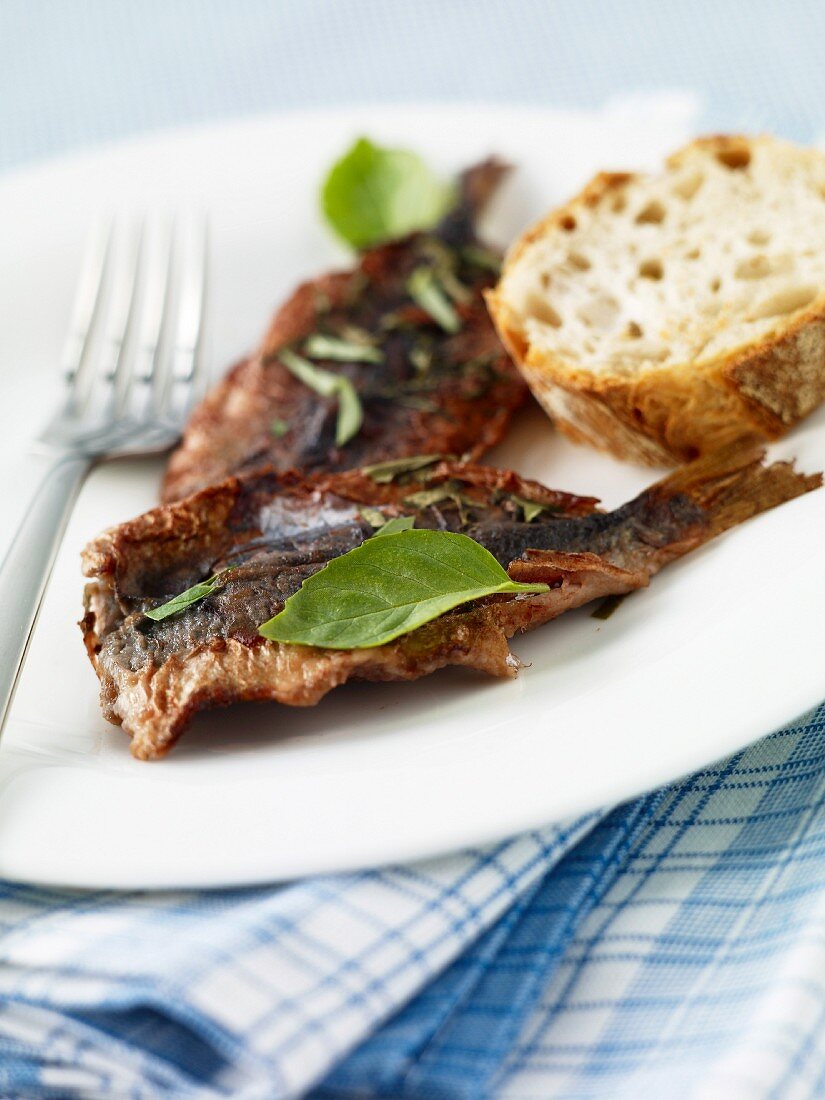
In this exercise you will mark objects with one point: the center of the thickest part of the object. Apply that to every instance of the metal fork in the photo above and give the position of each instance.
(131, 368)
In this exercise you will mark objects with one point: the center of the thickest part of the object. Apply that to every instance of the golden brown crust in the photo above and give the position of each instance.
(663, 415)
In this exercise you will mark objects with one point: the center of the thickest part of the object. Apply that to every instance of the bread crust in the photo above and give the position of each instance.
(666, 414)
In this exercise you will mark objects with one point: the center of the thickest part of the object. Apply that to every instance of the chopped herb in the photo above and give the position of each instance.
(422, 404)
(387, 587)
(377, 519)
(421, 383)
(279, 428)
(421, 358)
(425, 498)
(607, 607)
(443, 262)
(324, 382)
(393, 320)
(187, 598)
(374, 194)
(427, 292)
(354, 334)
(319, 346)
(393, 526)
(531, 508)
(373, 517)
(455, 288)
(450, 492)
(480, 257)
(350, 413)
(328, 384)
(385, 472)
(481, 362)
(438, 253)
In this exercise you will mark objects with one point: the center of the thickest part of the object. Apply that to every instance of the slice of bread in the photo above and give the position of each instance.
(659, 317)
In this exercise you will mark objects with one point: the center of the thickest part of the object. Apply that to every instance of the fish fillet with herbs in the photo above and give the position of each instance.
(397, 356)
(250, 542)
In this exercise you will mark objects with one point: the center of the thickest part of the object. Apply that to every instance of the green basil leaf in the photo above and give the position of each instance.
(387, 587)
(328, 384)
(319, 346)
(393, 526)
(187, 598)
(385, 472)
(426, 291)
(279, 427)
(374, 194)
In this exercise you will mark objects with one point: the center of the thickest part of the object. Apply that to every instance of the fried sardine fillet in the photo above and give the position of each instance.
(432, 380)
(276, 529)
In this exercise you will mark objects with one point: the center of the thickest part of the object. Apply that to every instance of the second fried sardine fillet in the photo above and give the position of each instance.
(429, 390)
(275, 530)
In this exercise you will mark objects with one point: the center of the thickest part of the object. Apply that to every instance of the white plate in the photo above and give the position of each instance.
(721, 649)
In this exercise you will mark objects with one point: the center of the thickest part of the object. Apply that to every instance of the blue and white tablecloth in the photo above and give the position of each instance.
(673, 946)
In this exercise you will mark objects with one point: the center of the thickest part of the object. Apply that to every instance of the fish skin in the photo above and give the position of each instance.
(276, 529)
(461, 404)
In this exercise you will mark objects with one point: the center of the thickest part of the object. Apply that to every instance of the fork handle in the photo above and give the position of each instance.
(28, 564)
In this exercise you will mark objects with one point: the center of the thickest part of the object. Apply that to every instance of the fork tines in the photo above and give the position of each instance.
(132, 364)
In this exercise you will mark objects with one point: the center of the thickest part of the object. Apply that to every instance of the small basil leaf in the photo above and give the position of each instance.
(393, 526)
(387, 587)
(374, 194)
(319, 346)
(385, 472)
(279, 427)
(426, 291)
(187, 598)
(327, 384)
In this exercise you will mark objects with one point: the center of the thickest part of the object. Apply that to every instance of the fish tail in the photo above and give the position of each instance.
(733, 484)
(692, 505)
(476, 186)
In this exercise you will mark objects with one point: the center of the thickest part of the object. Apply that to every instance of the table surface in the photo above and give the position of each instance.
(75, 73)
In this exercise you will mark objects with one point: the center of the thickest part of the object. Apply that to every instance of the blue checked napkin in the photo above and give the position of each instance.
(673, 946)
